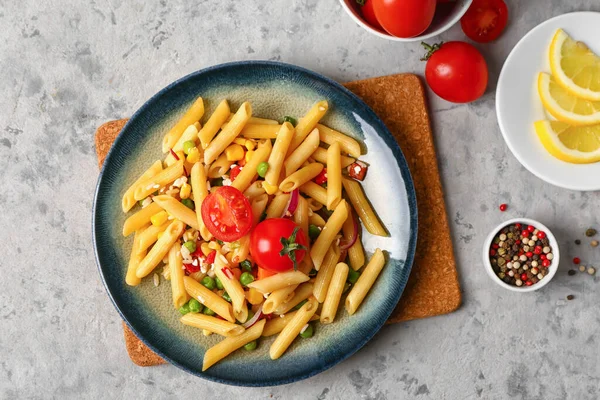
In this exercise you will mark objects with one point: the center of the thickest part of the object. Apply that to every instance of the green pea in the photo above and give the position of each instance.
(208, 311)
(291, 120)
(208, 282)
(226, 296)
(262, 169)
(216, 182)
(190, 245)
(188, 145)
(246, 278)
(246, 266)
(308, 332)
(220, 242)
(353, 276)
(184, 309)
(313, 232)
(299, 305)
(188, 203)
(219, 283)
(195, 306)
(251, 346)
(141, 202)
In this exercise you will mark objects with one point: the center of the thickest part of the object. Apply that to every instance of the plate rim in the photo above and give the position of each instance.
(404, 172)
(499, 94)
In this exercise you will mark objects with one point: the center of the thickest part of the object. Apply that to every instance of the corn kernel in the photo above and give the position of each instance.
(270, 189)
(229, 257)
(249, 155)
(205, 249)
(159, 218)
(234, 152)
(193, 155)
(254, 296)
(249, 145)
(241, 141)
(214, 246)
(185, 191)
(159, 235)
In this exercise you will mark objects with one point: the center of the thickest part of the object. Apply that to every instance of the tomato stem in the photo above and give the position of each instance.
(430, 49)
(290, 246)
(360, 2)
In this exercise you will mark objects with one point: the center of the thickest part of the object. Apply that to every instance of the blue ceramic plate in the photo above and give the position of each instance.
(275, 90)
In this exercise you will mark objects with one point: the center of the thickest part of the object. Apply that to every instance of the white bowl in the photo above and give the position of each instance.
(553, 267)
(440, 23)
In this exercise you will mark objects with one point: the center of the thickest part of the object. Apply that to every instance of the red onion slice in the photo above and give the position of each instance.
(255, 318)
(346, 244)
(175, 156)
(292, 203)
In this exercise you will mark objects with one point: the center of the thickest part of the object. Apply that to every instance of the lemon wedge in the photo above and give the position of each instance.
(575, 66)
(573, 144)
(564, 106)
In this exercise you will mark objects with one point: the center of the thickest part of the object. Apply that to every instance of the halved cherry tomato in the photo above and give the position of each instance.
(278, 244)
(322, 177)
(234, 172)
(404, 18)
(264, 273)
(227, 214)
(368, 13)
(485, 20)
(456, 71)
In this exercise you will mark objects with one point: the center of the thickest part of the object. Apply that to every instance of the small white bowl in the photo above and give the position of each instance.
(440, 23)
(553, 267)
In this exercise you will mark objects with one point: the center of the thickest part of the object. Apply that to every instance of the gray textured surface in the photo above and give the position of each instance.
(66, 67)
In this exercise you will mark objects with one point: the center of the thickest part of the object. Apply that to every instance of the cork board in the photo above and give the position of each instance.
(433, 288)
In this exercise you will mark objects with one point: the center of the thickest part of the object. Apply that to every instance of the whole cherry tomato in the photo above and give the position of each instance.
(485, 20)
(227, 214)
(456, 71)
(404, 18)
(368, 13)
(278, 244)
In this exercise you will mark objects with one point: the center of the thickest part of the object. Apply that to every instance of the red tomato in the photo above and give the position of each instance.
(404, 18)
(322, 177)
(485, 20)
(457, 72)
(227, 214)
(368, 14)
(267, 244)
(263, 273)
(234, 172)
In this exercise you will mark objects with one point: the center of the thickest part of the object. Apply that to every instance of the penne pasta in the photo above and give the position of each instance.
(233, 287)
(212, 324)
(209, 298)
(334, 176)
(307, 123)
(227, 135)
(277, 298)
(347, 144)
(190, 134)
(284, 137)
(302, 153)
(180, 296)
(241, 253)
(314, 205)
(260, 131)
(220, 167)
(199, 191)
(277, 206)
(231, 344)
(177, 210)
(254, 190)
(134, 260)
(214, 123)
(363, 207)
(302, 292)
(300, 177)
(328, 234)
(140, 219)
(193, 114)
(149, 236)
(314, 191)
(300, 216)
(365, 282)
(356, 253)
(325, 273)
(279, 281)
(128, 200)
(258, 205)
(158, 181)
(160, 248)
(316, 219)
(249, 171)
(293, 328)
(276, 325)
(320, 155)
(334, 293)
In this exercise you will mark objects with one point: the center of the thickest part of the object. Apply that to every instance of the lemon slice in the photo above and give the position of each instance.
(573, 144)
(575, 66)
(564, 106)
